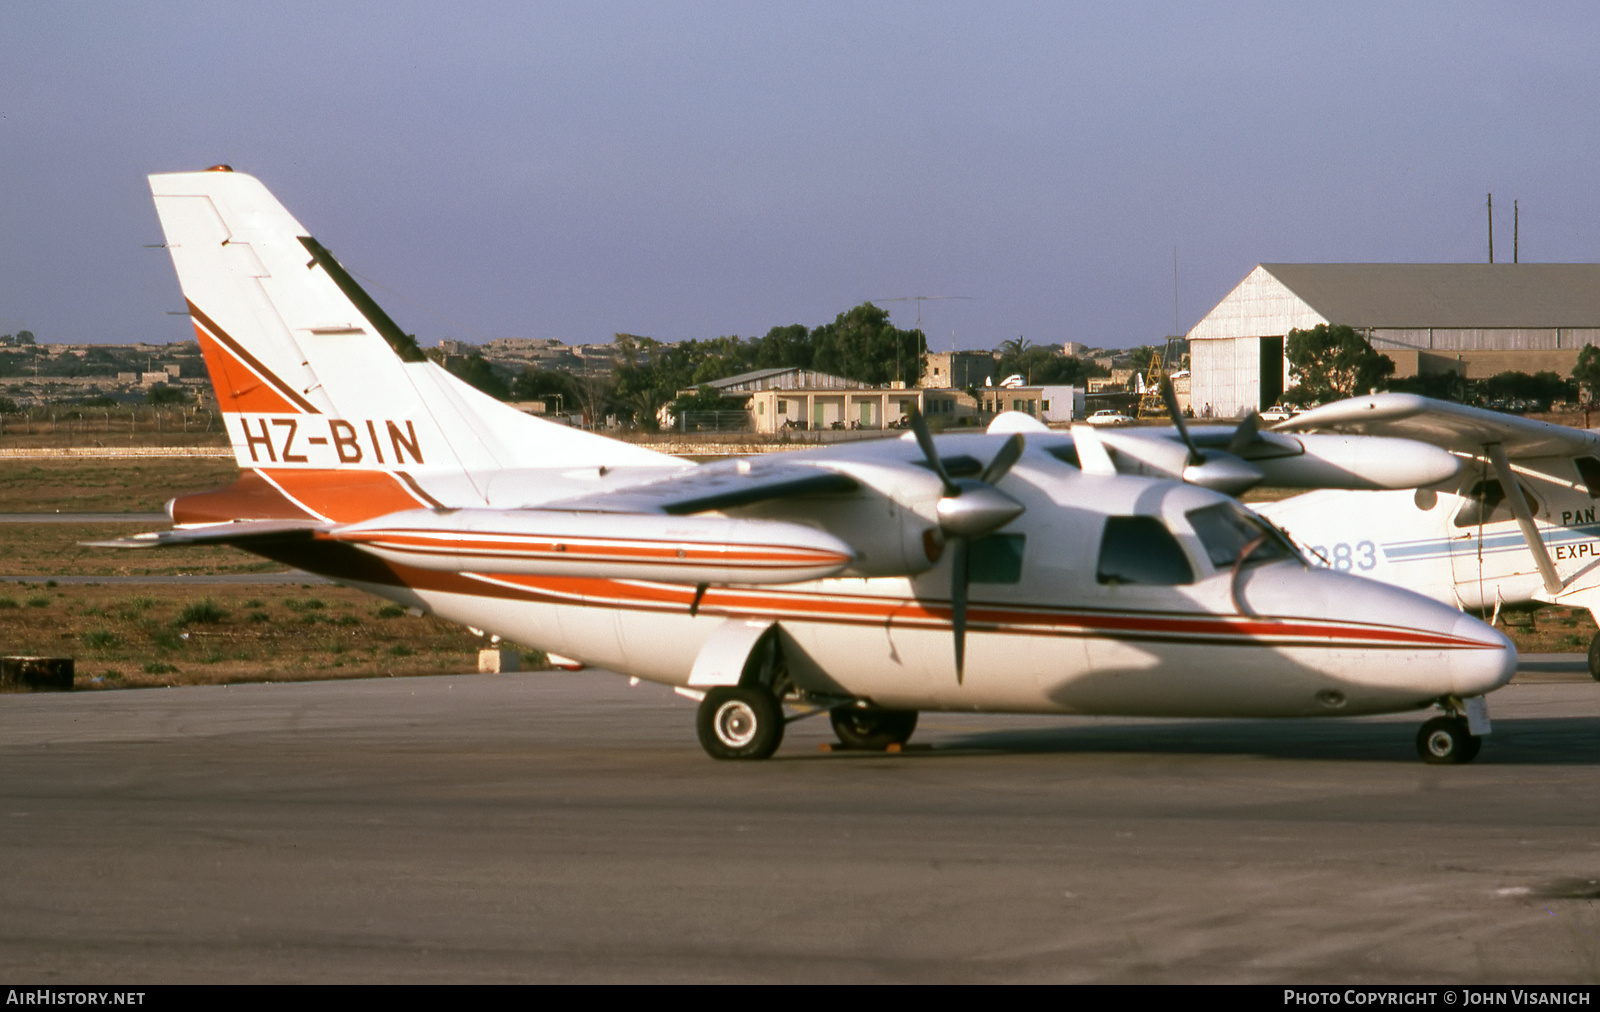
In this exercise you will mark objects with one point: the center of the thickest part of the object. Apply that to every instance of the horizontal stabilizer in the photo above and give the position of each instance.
(242, 534)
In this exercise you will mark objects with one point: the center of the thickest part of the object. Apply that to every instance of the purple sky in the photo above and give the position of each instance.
(695, 169)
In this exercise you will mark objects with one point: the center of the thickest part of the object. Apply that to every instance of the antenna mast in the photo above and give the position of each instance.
(919, 300)
(1491, 228)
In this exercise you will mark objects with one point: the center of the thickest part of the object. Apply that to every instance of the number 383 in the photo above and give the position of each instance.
(1344, 556)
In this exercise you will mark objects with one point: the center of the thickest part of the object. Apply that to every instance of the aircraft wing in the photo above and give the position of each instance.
(711, 487)
(1456, 427)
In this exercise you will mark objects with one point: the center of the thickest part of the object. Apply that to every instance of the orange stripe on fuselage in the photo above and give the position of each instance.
(812, 606)
(851, 609)
(344, 496)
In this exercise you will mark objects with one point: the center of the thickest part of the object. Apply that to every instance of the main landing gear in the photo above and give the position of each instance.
(871, 728)
(738, 722)
(1594, 658)
(747, 722)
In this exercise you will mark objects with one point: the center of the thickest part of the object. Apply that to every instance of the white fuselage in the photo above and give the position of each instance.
(1045, 636)
(1435, 541)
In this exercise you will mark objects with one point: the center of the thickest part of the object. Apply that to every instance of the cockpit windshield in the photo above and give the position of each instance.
(1226, 529)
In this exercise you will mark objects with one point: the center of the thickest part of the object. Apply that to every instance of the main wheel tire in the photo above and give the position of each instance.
(740, 723)
(871, 728)
(1446, 741)
(1594, 657)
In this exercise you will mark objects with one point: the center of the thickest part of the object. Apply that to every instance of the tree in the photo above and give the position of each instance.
(535, 384)
(1520, 391)
(1329, 362)
(1441, 386)
(784, 347)
(1042, 365)
(1587, 372)
(862, 345)
(473, 369)
(161, 394)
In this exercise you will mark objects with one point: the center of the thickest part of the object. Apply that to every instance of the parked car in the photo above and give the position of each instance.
(1279, 413)
(1108, 416)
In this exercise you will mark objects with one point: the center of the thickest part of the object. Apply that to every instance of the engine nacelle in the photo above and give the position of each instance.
(1356, 462)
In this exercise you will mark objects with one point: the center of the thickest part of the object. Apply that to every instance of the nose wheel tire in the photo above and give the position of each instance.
(740, 723)
(1594, 658)
(871, 728)
(1446, 741)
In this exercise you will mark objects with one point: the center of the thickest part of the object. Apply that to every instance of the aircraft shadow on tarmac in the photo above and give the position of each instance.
(1564, 741)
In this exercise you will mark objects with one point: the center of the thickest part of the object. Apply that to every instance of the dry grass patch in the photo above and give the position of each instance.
(147, 636)
(57, 550)
(1549, 629)
(101, 485)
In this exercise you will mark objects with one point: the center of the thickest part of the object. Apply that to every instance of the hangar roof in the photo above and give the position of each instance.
(1463, 296)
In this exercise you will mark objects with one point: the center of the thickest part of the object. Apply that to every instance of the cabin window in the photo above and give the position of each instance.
(1225, 529)
(996, 558)
(1141, 550)
(1486, 504)
(1589, 471)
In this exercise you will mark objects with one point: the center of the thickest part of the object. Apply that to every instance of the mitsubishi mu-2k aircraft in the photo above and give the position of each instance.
(1016, 570)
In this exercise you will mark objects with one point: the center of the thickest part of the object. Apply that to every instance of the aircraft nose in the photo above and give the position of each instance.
(1428, 649)
(1475, 672)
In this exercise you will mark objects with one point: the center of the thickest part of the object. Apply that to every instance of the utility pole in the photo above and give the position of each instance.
(1516, 234)
(1175, 329)
(1491, 228)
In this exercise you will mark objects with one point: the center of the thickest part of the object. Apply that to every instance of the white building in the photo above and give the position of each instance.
(1476, 319)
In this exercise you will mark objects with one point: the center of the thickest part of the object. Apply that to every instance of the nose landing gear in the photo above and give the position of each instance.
(1457, 736)
(1446, 740)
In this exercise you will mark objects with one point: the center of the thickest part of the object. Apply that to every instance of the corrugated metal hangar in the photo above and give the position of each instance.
(1476, 319)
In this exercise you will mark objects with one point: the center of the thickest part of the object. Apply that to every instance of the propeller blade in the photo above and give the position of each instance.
(919, 427)
(958, 603)
(1247, 432)
(1003, 461)
(1171, 397)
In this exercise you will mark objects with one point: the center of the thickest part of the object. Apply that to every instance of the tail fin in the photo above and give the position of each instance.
(317, 385)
